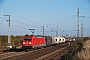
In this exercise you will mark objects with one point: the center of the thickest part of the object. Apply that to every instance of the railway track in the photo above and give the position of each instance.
(54, 55)
(10, 54)
(48, 53)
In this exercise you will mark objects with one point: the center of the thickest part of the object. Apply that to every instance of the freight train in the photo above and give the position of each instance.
(35, 41)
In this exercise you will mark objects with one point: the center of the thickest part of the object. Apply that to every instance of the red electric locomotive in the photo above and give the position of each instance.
(33, 41)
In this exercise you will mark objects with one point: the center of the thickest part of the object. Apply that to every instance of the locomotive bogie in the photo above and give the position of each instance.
(27, 47)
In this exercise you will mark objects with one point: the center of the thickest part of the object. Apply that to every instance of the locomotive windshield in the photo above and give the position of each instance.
(27, 38)
(39, 36)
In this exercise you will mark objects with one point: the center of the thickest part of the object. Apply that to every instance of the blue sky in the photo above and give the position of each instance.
(26, 14)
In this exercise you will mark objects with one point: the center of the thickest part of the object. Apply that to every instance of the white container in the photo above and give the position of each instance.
(55, 40)
(61, 39)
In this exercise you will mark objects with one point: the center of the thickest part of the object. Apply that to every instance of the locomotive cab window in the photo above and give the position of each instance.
(27, 38)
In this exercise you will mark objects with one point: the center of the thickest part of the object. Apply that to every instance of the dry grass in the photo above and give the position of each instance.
(84, 54)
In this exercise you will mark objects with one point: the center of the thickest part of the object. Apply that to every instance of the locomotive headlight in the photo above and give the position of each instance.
(30, 43)
(23, 42)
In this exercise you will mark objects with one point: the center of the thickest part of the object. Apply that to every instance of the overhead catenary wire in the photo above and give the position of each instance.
(39, 22)
(24, 18)
(44, 23)
(24, 23)
(84, 11)
(40, 26)
(63, 20)
(13, 23)
(22, 27)
(2, 18)
(87, 17)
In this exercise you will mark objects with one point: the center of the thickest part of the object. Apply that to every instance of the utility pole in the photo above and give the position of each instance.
(9, 37)
(0, 45)
(78, 24)
(57, 31)
(32, 30)
(82, 26)
(52, 32)
(62, 33)
(43, 30)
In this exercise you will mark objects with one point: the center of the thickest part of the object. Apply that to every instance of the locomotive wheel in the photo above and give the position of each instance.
(27, 50)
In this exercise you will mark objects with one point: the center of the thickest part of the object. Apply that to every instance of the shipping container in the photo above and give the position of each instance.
(55, 40)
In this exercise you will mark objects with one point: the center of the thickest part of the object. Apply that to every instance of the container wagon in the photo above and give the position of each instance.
(48, 40)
